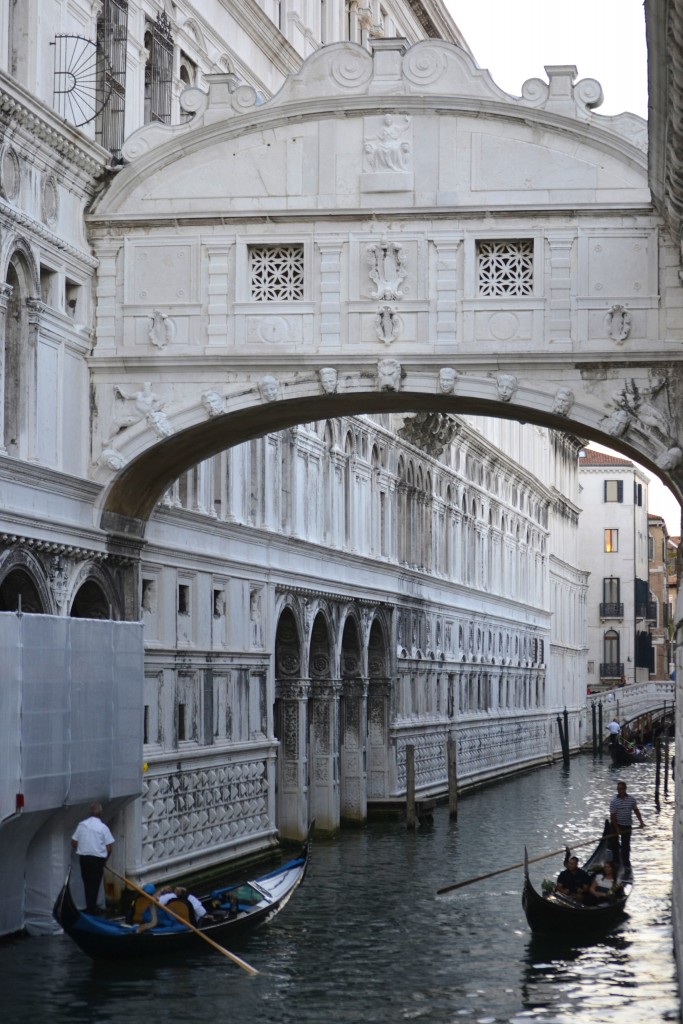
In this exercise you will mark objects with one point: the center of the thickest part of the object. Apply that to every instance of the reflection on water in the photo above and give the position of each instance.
(367, 941)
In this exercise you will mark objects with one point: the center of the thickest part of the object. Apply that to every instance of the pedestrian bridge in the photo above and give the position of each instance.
(390, 232)
(627, 703)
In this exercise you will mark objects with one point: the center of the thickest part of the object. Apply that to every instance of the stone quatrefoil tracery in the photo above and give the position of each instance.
(276, 272)
(505, 267)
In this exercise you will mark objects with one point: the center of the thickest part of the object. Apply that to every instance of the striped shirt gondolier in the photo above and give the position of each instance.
(622, 807)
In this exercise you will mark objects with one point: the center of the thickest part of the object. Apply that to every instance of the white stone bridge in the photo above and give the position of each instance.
(391, 231)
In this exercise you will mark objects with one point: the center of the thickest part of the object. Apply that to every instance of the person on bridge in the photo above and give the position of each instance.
(622, 808)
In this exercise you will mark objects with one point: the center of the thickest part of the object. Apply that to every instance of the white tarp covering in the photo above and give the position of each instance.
(71, 722)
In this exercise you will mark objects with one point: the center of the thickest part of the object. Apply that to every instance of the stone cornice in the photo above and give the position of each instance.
(19, 106)
(436, 22)
(29, 225)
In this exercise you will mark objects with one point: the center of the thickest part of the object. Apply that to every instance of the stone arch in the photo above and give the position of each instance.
(378, 708)
(21, 286)
(90, 602)
(23, 582)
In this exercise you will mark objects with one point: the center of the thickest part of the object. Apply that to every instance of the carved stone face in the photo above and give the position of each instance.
(564, 399)
(269, 387)
(212, 402)
(328, 379)
(447, 378)
(507, 385)
(388, 375)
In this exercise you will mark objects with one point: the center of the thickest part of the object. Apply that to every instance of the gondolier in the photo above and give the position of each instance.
(622, 808)
(92, 841)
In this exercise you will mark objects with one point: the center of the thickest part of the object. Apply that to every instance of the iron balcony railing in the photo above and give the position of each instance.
(611, 669)
(611, 610)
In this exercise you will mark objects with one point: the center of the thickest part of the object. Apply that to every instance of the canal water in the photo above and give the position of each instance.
(366, 940)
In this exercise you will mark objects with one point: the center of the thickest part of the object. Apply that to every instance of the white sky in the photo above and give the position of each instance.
(605, 39)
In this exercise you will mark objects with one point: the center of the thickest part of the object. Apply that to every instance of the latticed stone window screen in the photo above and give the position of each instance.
(505, 267)
(276, 272)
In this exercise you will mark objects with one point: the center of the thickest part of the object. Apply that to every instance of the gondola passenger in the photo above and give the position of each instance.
(605, 884)
(573, 881)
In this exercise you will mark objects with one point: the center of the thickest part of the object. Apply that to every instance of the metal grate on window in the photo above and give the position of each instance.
(276, 272)
(505, 267)
(158, 70)
(112, 37)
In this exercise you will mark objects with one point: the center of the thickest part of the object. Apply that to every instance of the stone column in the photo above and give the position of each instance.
(353, 751)
(559, 324)
(108, 301)
(324, 753)
(330, 293)
(218, 291)
(291, 727)
(29, 383)
(447, 292)
(378, 738)
(5, 293)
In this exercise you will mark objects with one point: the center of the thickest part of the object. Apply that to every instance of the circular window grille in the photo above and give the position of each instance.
(82, 83)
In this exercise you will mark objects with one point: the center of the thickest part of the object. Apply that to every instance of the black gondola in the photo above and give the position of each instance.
(563, 915)
(621, 755)
(234, 910)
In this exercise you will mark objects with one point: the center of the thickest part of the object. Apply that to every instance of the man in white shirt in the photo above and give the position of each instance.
(92, 841)
(614, 730)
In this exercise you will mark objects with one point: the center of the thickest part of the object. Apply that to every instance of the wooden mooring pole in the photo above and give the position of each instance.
(658, 769)
(600, 724)
(411, 817)
(451, 754)
(594, 715)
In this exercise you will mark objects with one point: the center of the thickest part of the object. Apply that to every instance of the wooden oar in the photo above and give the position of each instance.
(167, 910)
(519, 864)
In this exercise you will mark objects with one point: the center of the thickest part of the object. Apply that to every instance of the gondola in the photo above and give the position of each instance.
(621, 755)
(561, 915)
(234, 909)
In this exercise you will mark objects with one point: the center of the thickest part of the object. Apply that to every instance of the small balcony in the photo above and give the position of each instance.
(611, 669)
(611, 611)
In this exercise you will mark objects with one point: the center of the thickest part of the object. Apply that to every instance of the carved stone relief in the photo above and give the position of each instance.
(506, 384)
(388, 324)
(162, 329)
(388, 375)
(386, 263)
(328, 379)
(389, 149)
(618, 323)
(563, 401)
(269, 388)
(431, 431)
(447, 380)
(134, 406)
(213, 403)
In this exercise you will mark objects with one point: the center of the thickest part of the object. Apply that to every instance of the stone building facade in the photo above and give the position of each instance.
(316, 598)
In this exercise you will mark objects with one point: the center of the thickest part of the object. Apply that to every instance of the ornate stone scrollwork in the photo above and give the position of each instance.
(387, 269)
(670, 459)
(431, 431)
(618, 323)
(162, 329)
